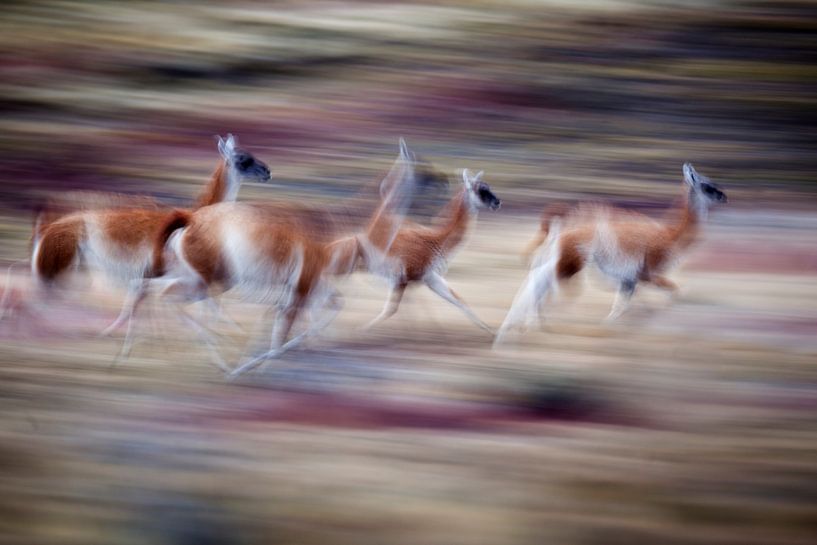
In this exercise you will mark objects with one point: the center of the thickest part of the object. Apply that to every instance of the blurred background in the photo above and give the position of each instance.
(689, 422)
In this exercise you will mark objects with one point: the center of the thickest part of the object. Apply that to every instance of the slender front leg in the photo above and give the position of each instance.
(217, 315)
(438, 285)
(283, 323)
(184, 291)
(206, 336)
(622, 301)
(128, 314)
(391, 306)
(330, 308)
(284, 320)
(136, 292)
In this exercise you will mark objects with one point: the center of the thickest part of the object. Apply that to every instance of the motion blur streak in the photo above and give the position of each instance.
(688, 420)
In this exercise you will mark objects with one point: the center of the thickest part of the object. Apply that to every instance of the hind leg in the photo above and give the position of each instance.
(283, 324)
(185, 291)
(206, 337)
(539, 317)
(529, 300)
(219, 316)
(136, 292)
(327, 308)
(127, 314)
(329, 304)
(622, 301)
(391, 306)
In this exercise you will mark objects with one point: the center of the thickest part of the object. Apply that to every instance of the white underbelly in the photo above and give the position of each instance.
(255, 275)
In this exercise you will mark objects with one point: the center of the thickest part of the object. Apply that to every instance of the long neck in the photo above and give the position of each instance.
(395, 198)
(692, 214)
(222, 187)
(457, 212)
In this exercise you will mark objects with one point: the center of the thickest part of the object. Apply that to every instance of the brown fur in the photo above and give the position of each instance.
(72, 202)
(552, 210)
(130, 223)
(417, 246)
(421, 253)
(215, 190)
(653, 245)
(81, 201)
(571, 260)
(129, 229)
(175, 220)
(57, 248)
(637, 235)
(626, 247)
(285, 236)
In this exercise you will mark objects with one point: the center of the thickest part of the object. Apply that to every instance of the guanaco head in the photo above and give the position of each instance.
(703, 193)
(479, 193)
(247, 166)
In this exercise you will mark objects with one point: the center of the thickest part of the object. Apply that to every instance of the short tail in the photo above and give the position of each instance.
(551, 212)
(177, 219)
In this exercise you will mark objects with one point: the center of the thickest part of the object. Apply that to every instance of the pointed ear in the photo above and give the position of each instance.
(400, 174)
(690, 175)
(231, 144)
(222, 147)
(478, 176)
(405, 153)
(466, 177)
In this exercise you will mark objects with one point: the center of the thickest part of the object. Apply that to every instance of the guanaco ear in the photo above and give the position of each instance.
(232, 143)
(227, 147)
(405, 153)
(691, 176)
(478, 175)
(222, 147)
(466, 178)
(401, 170)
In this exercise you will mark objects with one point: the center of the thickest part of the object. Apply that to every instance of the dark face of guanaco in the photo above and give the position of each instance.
(713, 193)
(480, 192)
(249, 167)
(703, 187)
(242, 160)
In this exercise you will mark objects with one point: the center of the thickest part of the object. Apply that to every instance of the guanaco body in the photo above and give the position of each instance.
(119, 241)
(421, 253)
(625, 247)
(273, 255)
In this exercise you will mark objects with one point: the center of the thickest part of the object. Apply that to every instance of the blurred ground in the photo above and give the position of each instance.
(689, 422)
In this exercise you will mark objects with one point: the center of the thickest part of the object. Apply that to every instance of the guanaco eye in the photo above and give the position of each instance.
(245, 162)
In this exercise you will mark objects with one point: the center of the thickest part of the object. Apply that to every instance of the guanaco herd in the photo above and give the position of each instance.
(286, 258)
